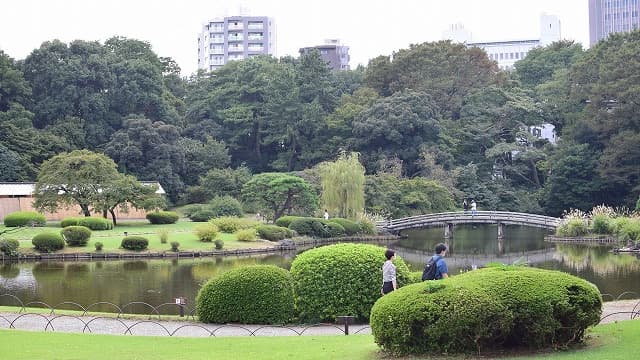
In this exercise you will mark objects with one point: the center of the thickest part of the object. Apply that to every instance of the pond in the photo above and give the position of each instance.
(160, 281)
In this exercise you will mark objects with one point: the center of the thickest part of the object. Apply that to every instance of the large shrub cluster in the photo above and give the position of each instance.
(206, 232)
(48, 242)
(219, 206)
(316, 227)
(162, 217)
(341, 279)
(231, 224)
(492, 308)
(9, 247)
(76, 235)
(24, 218)
(92, 222)
(260, 294)
(350, 227)
(285, 221)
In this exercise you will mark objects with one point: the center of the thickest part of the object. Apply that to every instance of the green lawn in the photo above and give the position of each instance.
(182, 232)
(611, 342)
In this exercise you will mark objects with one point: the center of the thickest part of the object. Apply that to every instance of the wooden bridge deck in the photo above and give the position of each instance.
(481, 217)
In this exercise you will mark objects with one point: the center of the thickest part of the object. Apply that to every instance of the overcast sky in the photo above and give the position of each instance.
(369, 27)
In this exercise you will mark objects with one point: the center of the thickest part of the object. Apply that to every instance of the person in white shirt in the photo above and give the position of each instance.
(389, 282)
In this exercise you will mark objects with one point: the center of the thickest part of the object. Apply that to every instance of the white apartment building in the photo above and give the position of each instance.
(507, 52)
(235, 38)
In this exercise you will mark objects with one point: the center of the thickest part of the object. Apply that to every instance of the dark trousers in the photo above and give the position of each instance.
(387, 287)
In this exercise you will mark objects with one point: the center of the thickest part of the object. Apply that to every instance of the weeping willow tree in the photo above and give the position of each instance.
(343, 186)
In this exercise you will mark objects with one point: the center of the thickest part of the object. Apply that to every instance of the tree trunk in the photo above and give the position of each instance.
(536, 179)
(85, 209)
(113, 216)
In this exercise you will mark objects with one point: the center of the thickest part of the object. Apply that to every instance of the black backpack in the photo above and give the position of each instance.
(429, 272)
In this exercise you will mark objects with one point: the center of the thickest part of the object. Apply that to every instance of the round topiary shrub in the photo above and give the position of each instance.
(70, 221)
(134, 242)
(206, 232)
(341, 279)
(48, 242)
(286, 220)
(334, 229)
(273, 232)
(493, 308)
(9, 247)
(260, 294)
(313, 227)
(162, 217)
(246, 235)
(225, 206)
(95, 223)
(350, 227)
(24, 218)
(76, 235)
(202, 215)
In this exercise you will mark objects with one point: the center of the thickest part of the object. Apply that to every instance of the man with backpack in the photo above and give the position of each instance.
(436, 267)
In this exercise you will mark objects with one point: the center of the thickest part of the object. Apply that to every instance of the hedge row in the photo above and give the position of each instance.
(24, 218)
(162, 217)
(48, 242)
(92, 222)
(322, 228)
(492, 308)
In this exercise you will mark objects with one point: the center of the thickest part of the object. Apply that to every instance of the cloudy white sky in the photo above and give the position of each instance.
(369, 27)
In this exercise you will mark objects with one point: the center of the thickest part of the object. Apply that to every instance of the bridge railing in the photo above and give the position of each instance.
(460, 217)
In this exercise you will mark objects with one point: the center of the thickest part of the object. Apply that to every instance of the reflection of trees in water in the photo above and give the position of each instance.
(139, 265)
(206, 269)
(9, 271)
(597, 259)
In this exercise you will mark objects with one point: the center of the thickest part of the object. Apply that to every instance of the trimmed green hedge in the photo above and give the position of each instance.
(285, 221)
(48, 242)
(350, 227)
(492, 308)
(134, 242)
(246, 235)
(231, 224)
(316, 227)
(273, 232)
(260, 294)
(24, 218)
(162, 217)
(341, 279)
(76, 235)
(92, 222)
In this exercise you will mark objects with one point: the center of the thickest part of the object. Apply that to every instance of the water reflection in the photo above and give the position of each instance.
(160, 281)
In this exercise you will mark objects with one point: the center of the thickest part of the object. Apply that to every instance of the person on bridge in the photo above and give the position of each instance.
(473, 207)
(465, 205)
(389, 282)
(442, 272)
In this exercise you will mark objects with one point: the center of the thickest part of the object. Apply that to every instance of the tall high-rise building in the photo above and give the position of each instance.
(507, 52)
(612, 16)
(235, 38)
(336, 55)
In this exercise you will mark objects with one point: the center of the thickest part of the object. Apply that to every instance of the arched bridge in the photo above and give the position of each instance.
(449, 219)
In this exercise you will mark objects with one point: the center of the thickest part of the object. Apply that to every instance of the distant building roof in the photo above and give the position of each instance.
(27, 188)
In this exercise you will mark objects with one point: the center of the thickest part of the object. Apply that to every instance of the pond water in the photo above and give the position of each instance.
(160, 281)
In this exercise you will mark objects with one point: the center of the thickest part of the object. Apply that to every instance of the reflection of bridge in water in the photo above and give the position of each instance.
(449, 219)
(466, 261)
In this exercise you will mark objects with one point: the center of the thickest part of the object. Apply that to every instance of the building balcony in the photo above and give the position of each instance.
(255, 26)
(255, 48)
(236, 49)
(235, 38)
(240, 26)
(217, 40)
(255, 38)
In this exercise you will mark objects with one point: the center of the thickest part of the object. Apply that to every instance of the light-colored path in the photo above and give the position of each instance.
(612, 311)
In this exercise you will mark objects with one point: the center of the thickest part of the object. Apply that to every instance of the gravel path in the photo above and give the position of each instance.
(612, 311)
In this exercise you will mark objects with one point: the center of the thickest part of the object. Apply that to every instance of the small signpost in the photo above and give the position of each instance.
(181, 302)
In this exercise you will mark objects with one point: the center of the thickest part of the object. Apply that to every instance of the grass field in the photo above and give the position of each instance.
(182, 232)
(611, 342)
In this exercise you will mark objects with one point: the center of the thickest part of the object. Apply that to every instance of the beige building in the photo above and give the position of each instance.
(19, 197)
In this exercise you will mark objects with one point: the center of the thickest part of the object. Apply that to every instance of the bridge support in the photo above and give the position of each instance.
(448, 230)
(500, 230)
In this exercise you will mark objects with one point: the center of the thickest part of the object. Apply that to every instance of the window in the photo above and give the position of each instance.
(501, 56)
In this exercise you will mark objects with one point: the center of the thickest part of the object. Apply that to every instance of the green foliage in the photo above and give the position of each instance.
(24, 218)
(99, 245)
(174, 246)
(202, 215)
(231, 224)
(246, 235)
(48, 242)
(76, 235)
(95, 223)
(260, 294)
(162, 217)
(630, 231)
(488, 309)
(367, 227)
(541, 62)
(350, 227)
(218, 243)
(225, 206)
(334, 229)
(163, 234)
(285, 221)
(343, 185)
(225, 182)
(279, 193)
(601, 224)
(9, 247)
(311, 227)
(206, 232)
(341, 279)
(134, 242)
(573, 227)
(273, 232)
(69, 221)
